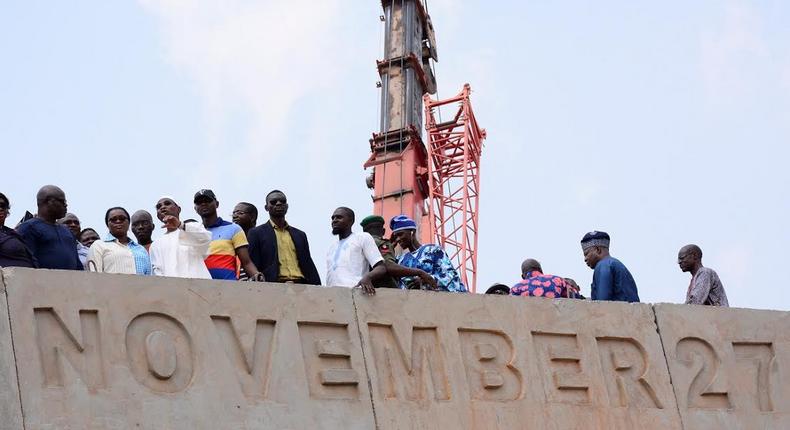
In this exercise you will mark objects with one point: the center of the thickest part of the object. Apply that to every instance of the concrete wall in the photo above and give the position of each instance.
(90, 351)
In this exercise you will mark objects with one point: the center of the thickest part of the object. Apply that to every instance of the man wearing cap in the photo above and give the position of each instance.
(227, 240)
(280, 250)
(611, 279)
(374, 226)
(180, 252)
(429, 258)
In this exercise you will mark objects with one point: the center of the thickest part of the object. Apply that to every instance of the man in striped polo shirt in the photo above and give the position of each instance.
(227, 240)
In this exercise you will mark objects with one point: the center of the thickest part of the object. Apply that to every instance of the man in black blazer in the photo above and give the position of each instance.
(281, 252)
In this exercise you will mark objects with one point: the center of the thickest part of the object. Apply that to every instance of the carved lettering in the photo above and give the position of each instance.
(757, 360)
(699, 356)
(559, 359)
(56, 340)
(411, 365)
(249, 352)
(326, 349)
(488, 359)
(624, 362)
(160, 354)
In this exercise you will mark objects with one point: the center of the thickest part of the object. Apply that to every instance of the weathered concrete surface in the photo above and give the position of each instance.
(129, 352)
(439, 360)
(96, 351)
(730, 367)
(10, 410)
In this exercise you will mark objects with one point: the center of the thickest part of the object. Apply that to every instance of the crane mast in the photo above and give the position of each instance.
(438, 185)
(398, 157)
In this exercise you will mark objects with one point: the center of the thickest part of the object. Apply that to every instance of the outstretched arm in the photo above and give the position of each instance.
(398, 271)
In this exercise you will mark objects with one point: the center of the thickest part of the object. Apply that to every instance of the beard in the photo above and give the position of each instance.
(336, 231)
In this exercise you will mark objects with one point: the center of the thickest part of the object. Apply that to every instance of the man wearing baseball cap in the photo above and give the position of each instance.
(227, 240)
(611, 279)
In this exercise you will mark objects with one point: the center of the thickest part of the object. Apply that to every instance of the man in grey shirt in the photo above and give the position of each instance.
(705, 287)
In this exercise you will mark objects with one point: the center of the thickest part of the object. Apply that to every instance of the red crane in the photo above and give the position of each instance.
(454, 150)
(439, 186)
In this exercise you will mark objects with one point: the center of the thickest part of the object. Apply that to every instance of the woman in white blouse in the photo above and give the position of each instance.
(117, 253)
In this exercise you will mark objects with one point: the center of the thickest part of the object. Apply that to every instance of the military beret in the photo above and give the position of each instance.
(595, 238)
(371, 219)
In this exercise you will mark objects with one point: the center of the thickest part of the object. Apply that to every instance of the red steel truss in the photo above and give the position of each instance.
(454, 149)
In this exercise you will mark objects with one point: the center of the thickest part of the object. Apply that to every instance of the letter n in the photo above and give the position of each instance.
(409, 366)
(55, 340)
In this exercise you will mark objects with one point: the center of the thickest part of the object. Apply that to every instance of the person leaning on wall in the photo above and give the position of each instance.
(117, 253)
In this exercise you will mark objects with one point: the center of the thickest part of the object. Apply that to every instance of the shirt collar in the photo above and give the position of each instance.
(285, 227)
(111, 238)
(532, 274)
(219, 222)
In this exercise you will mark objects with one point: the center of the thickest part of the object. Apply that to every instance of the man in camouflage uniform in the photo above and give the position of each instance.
(374, 226)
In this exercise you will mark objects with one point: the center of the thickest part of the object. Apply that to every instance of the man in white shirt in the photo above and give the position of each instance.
(182, 250)
(349, 260)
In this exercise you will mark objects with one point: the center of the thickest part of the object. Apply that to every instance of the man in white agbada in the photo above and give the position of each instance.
(183, 248)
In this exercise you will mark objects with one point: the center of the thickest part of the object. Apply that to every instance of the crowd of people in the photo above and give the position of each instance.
(275, 251)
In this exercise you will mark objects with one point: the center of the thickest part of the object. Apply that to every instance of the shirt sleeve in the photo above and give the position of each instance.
(156, 260)
(700, 288)
(95, 263)
(370, 250)
(603, 281)
(196, 237)
(445, 274)
(239, 238)
(28, 235)
(385, 250)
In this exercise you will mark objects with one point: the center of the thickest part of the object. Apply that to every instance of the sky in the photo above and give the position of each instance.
(662, 123)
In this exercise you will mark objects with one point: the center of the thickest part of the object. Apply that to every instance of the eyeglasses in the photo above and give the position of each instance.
(238, 212)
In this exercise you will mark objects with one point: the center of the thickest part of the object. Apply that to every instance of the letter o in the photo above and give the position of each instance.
(160, 353)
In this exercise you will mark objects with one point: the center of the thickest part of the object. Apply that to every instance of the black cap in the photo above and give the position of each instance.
(498, 289)
(204, 193)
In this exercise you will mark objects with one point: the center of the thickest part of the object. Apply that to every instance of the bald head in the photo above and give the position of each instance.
(51, 202)
(142, 226)
(529, 265)
(692, 249)
(690, 258)
(142, 215)
(48, 191)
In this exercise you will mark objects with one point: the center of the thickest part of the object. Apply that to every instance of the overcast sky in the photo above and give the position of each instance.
(662, 123)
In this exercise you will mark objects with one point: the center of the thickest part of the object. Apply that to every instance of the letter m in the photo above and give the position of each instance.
(55, 340)
(410, 365)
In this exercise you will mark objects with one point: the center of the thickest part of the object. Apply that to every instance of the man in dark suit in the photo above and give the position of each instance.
(280, 251)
